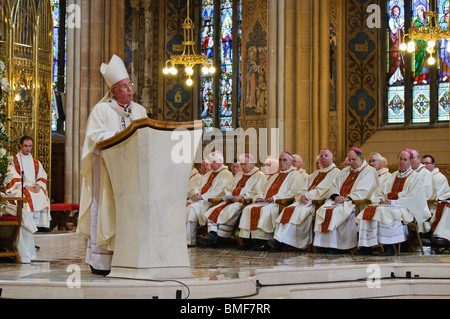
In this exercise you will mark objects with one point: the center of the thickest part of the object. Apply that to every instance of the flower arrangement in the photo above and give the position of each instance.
(6, 142)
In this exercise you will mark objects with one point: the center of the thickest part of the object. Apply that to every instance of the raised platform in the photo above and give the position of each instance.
(60, 272)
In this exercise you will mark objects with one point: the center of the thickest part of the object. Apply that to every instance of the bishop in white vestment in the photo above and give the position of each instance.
(34, 186)
(294, 224)
(245, 186)
(194, 182)
(97, 209)
(258, 219)
(335, 225)
(440, 221)
(216, 183)
(400, 200)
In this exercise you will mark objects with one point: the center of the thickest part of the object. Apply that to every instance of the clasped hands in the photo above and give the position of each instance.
(341, 199)
(33, 189)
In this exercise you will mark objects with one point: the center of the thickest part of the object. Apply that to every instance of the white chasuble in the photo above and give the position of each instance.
(330, 215)
(245, 185)
(105, 120)
(262, 215)
(214, 184)
(409, 196)
(317, 188)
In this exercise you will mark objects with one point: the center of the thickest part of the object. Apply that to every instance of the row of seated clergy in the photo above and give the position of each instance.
(251, 184)
(402, 200)
(335, 222)
(335, 225)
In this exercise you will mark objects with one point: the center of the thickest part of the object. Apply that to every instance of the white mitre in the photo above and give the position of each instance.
(115, 71)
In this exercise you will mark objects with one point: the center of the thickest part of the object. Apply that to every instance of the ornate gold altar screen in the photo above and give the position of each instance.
(26, 42)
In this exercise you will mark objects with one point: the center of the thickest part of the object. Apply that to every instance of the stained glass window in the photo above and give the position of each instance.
(222, 100)
(207, 82)
(59, 32)
(396, 61)
(415, 93)
(396, 104)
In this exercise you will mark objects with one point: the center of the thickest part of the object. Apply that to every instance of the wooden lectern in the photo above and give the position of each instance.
(150, 174)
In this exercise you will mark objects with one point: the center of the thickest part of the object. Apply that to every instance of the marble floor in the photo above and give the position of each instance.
(60, 272)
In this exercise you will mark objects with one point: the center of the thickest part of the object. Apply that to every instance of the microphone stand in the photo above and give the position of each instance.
(23, 173)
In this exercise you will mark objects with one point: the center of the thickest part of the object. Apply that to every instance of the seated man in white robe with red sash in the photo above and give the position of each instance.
(401, 199)
(376, 161)
(223, 217)
(440, 221)
(34, 183)
(335, 226)
(216, 183)
(194, 182)
(258, 219)
(294, 224)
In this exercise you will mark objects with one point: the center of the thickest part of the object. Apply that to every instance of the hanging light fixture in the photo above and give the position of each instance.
(189, 59)
(431, 33)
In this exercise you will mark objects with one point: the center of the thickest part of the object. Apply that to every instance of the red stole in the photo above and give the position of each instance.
(346, 188)
(288, 211)
(397, 187)
(369, 212)
(241, 184)
(208, 184)
(438, 214)
(255, 212)
(236, 192)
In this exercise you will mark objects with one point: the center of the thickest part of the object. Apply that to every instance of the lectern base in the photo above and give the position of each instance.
(167, 273)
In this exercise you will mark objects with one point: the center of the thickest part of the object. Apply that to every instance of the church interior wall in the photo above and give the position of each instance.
(336, 105)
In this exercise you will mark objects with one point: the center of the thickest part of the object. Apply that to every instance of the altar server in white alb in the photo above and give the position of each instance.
(258, 219)
(34, 183)
(335, 226)
(223, 217)
(294, 224)
(97, 210)
(400, 200)
(214, 184)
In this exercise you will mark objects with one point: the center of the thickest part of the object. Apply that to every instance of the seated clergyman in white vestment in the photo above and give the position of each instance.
(258, 219)
(398, 201)
(294, 224)
(34, 184)
(194, 182)
(216, 183)
(223, 217)
(25, 241)
(335, 224)
(440, 221)
(376, 161)
(97, 210)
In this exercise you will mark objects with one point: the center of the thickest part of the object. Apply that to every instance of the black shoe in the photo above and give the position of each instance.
(441, 242)
(209, 241)
(99, 272)
(260, 245)
(275, 245)
(246, 244)
(388, 251)
(364, 251)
